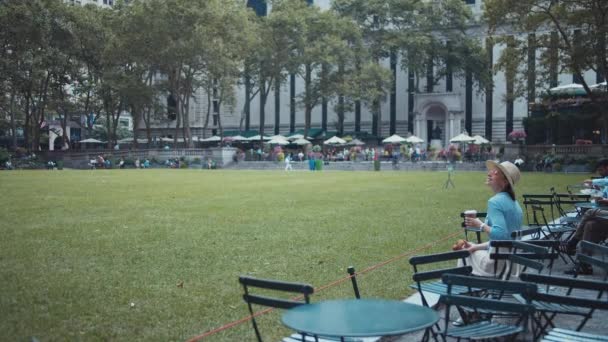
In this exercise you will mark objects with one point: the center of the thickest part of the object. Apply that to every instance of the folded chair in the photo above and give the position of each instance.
(566, 206)
(486, 329)
(549, 305)
(544, 200)
(553, 231)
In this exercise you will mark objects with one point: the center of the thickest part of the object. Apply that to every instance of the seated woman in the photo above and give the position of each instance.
(504, 215)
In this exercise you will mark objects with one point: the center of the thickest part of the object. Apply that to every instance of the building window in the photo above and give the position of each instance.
(216, 120)
(469, 2)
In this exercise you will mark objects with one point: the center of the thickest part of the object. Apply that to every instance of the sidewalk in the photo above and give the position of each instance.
(596, 325)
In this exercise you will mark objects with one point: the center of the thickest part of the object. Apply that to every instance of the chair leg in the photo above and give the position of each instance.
(582, 324)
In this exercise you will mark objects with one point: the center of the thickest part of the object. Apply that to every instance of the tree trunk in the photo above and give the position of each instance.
(13, 125)
(308, 98)
(263, 97)
(247, 107)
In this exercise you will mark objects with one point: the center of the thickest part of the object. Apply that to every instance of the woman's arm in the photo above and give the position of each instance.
(473, 247)
(497, 225)
(498, 230)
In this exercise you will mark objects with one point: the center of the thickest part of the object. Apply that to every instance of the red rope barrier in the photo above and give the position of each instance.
(320, 288)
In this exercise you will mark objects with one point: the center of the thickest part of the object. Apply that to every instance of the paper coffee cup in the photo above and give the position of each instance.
(470, 213)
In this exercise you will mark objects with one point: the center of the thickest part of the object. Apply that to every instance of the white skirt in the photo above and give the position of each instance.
(482, 265)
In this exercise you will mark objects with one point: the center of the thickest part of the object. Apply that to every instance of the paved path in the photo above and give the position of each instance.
(595, 325)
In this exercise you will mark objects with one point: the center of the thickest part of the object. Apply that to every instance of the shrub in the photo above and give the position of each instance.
(196, 161)
(20, 152)
(183, 164)
(4, 156)
(557, 167)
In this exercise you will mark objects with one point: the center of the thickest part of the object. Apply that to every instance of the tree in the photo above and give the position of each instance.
(570, 34)
(33, 34)
(232, 35)
(425, 34)
(274, 41)
(320, 42)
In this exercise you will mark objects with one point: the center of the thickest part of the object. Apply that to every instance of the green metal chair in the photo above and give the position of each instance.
(564, 335)
(549, 305)
(542, 251)
(595, 255)
(486, 329)
(428, 281)
(305, 290)
(544, 200)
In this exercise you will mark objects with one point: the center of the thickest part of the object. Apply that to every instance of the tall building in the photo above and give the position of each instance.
(436, 111)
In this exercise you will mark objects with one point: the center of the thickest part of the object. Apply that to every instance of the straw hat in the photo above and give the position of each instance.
(508, 169)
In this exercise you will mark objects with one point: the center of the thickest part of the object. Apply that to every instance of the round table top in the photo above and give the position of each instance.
(359, 318)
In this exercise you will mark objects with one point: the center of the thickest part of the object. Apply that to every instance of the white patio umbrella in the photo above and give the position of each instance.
(393, 139)
(356, 142)
(295, 137)
(239, 138)
(569, 89)
(479, 140)
(212, 138)
(412, 139)
(278, 141)
(462, 138)
(278, 136)
(92, 141)
(334, 141)
(301, 142)
(257, 137)
(165, 139)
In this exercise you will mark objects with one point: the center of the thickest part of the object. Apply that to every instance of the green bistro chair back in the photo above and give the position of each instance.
(595, 255)
(428, 281)
(305, 290)
(486, 329)
(541, 251)
(551, 304)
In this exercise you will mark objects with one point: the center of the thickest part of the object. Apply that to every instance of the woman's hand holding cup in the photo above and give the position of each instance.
(471, 220)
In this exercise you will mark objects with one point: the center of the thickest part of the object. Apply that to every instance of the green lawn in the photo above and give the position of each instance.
(78, 247)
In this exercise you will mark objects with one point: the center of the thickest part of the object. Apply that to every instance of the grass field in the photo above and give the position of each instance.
(78, 247)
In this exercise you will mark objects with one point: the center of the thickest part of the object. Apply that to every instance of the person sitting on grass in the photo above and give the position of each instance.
(593, 226)
(504, 216)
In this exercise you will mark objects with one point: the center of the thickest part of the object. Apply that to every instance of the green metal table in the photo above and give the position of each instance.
(359, 318)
